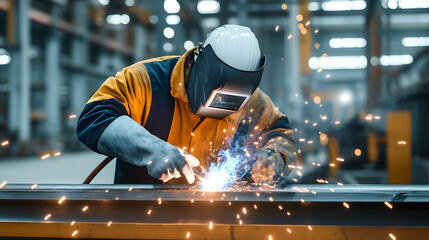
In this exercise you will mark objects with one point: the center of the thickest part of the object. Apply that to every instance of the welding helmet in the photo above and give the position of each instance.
(225, 70)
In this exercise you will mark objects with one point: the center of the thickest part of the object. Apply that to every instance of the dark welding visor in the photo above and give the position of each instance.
(216, 89)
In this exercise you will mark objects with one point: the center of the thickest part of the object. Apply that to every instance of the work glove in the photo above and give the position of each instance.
(267, 167)
(129, 141)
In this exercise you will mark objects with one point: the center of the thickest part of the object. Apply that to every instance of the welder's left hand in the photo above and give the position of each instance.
(268, 166)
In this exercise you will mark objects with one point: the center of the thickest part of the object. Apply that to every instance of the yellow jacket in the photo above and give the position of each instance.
(258, 123)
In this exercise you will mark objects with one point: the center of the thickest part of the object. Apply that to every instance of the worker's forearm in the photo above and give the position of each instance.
(126, 139)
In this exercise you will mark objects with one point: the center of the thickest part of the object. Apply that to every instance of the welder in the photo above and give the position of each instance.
(160, 115)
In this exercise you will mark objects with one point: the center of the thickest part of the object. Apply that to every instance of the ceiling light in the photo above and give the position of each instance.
(188, 45)
(395, 60)
(415, 41)
(345, 97)
(167, 47)
(171, 6)
(4, 57)
(104, 2)
(129, 3)
(344, 5)
(172, 19)
(338, 62)
(347, 42)
(208, 7)
(168, 32)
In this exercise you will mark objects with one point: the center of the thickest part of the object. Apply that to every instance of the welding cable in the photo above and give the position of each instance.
(94, 173)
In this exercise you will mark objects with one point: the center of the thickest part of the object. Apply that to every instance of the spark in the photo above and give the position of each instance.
(328, 75)
(340, 159)
(307, 23)
(314, 124)
(302, 200)
(159, 201)
(150, 162)
(402, 142)
(73, 116)
(48, 216)
(288, 213)
(306, 121)
(107, 190)
(238, 216)
(4, 143)
(284, 6)
(192, 200)
(148, 212)
(74, 233)
(229, 203)
(84, 208)
(340, 184)
(34, 186)
(280, 207)
(392, 236)
(269, 237)
(109, 223)
(337, 122)
(332, 190)
(244, 210)
(388, 205)
(299, 173)
(369, 117)
(289, 37)
(271, 199)
(211, 225)
(319, 70)
(72, 223)
(57, 154)
(211, 200)
(188, 234)
(277, 28)
(316, 31)
(3, 184)
(45, 156)
(346, 205)
(324, 117)
(288, 230)
(302, 139)
(241, 222)
(314, 192)
(131, 188)
(377, 117)
(62, 200)
(310, 228)
(117, 198)
(255, 207)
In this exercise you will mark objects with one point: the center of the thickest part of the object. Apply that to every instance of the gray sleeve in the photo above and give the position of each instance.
(126, 139)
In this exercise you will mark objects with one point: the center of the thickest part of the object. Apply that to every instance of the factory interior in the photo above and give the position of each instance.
(352, 77)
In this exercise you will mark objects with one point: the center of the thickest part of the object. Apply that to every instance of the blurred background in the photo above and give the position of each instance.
(351, 75)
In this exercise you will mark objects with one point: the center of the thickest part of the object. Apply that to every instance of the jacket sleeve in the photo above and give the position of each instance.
(127, 93)
(271, 129)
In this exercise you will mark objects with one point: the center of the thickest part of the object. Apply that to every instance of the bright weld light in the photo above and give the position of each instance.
(62, 200)
(392, 236)
(415, 41)
(34, 186)
(338, 62)
(3, 184)
(347, 42)
(74, 233)
(388, 205)
(4, 143)
(45, 156)
(48, 216)
(344, 5)
(84, 208)
(395, 60)
(269, 237)
(188, 234)
(346, 205)
(211, 225)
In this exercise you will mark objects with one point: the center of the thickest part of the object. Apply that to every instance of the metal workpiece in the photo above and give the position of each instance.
(329, 205)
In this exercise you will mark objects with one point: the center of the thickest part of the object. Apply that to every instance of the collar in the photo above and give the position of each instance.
(177, 81)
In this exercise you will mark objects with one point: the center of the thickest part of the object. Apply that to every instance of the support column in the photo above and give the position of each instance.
(79, 55)
(243, 18)
(292, 60)
(159, 28)
(140, 36)
(53, 78)
(24, 26)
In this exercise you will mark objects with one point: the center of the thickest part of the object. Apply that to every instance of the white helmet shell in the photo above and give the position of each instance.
(236, 45)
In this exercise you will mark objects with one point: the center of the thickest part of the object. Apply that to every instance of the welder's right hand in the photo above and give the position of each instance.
(129, 141)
